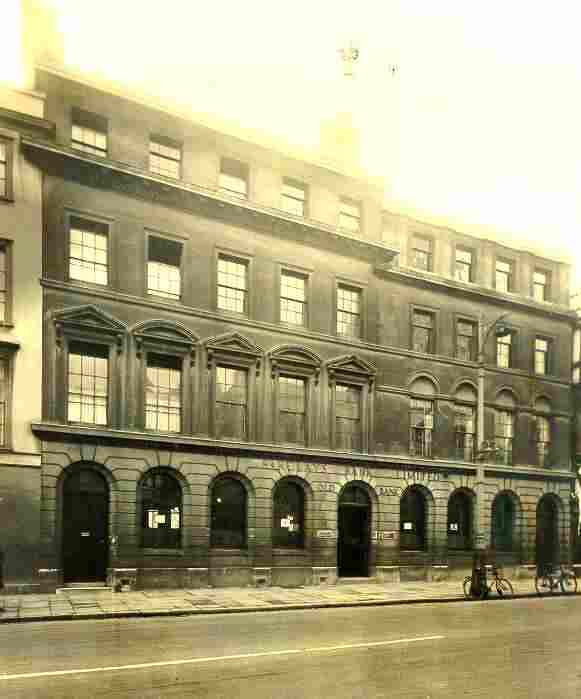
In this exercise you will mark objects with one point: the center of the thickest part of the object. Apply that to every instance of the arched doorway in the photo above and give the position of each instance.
(354, 519)
(412, 517)
(460, 521)
(85, 526)
(547, 538)
(503, 523)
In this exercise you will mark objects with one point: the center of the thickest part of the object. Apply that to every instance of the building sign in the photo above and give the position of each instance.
(413, 473)
(383, 536)
(408, 526)
(453, 526)
(325, 534)
(289, 523)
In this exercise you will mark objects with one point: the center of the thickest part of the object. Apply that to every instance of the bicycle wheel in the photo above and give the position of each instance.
(504, 588)
(542, 585)
(569, 583)
(466, 585)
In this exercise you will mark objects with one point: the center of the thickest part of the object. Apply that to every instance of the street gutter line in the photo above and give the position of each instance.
(217, 658)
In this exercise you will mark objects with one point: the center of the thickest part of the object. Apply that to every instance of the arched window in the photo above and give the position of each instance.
(542, 431)
(228, 517)
(161, 501)
(412, 517)
(503, 521)
(460, 521)
(465, 422)
(504, 420)
(289, 515)
(422, 417)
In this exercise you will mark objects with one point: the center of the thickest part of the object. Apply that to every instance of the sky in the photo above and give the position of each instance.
(477, 129)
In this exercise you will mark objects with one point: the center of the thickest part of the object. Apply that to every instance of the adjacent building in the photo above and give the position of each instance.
(254, 374)
(21, 117)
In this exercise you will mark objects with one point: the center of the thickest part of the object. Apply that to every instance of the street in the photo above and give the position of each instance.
(522, 648)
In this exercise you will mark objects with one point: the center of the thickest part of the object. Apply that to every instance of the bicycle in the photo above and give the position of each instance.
(503, 586)
(549, 579)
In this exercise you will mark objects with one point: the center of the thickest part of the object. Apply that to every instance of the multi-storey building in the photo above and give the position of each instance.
(21, 116)
(255, 374)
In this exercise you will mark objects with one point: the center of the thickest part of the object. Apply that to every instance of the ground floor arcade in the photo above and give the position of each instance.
(144, 517)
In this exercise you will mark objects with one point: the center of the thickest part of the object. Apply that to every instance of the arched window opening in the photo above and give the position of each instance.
(289, 515)
(503, 521)
(412, 520)
(161, 498)
(228, 516)
(460, 521)
(547, 534)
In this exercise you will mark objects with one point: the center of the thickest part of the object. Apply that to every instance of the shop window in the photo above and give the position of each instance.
(289, 515)
(460, 521)
(503, 523)
(412, 515)
(228, 513)
(161, 502)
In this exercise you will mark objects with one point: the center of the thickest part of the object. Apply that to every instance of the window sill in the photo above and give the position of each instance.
(88, 285)
(6, 324)
(228, 549)
(148, 551)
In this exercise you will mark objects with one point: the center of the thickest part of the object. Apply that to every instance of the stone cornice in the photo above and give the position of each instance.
(180, 442)
(352, 344)
(409, 276)
(103, 173)
(28, 120)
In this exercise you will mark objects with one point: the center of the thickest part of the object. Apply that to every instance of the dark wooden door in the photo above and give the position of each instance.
(547, 539)
(85, 527)
(353, 544)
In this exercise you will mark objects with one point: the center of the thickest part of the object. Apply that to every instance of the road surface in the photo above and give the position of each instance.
(519, 648)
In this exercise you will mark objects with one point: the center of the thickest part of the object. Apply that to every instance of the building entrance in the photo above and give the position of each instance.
(354, 518)
(547, 538)
(85, 527)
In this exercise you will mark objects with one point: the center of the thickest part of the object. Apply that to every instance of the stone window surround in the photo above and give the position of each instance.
(363, 378)
(10, 142)
(245, 357)
(304, 272)
(8, 351)
(146, 340)
(296, 362)
(435, 313)
(67, 330)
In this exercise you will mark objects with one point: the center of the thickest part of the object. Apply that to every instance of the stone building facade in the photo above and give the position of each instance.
(253, 374)
(21, 116)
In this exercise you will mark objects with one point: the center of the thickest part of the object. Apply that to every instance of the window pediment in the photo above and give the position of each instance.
(88, 320)
(233, 346)
(165, 334)
(352, 368)
(294, 358)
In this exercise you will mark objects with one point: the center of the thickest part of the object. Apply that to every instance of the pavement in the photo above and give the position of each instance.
(106, 604)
